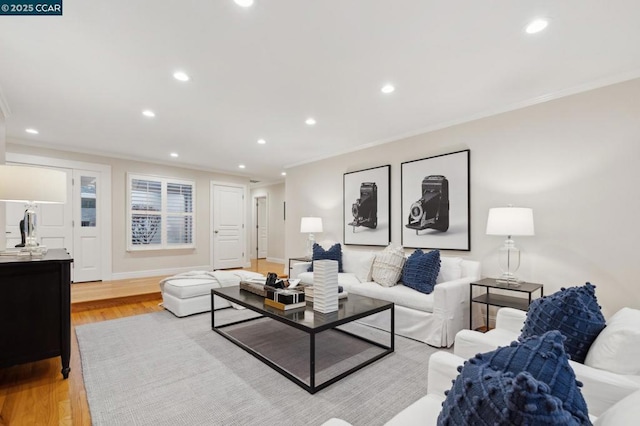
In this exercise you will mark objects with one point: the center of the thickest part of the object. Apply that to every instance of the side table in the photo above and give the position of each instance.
(297, 259)
(501, 300)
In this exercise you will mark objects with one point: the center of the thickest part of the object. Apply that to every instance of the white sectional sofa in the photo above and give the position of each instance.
(430, 318)
(601, 388)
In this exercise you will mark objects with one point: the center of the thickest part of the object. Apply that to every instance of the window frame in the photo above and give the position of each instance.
(164, 213)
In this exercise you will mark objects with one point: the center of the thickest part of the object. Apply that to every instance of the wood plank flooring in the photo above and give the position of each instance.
(36, 394)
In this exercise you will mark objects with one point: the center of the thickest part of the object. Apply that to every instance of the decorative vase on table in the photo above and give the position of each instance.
(325, 286)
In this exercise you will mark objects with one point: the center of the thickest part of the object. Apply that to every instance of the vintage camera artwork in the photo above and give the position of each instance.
(432, 209)
(365, 209)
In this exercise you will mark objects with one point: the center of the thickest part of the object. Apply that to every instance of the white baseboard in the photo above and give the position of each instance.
(158, 272)
(275, 260)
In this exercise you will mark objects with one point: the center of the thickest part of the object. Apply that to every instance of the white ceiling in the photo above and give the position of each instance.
(83, 79)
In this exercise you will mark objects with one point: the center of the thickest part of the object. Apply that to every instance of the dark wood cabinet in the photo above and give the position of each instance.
(35, 308)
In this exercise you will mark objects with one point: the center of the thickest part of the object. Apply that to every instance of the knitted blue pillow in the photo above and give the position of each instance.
(484, 396)
(544, 357)
(574, 311)
(421, 270)
(334, 253)
(544, 391)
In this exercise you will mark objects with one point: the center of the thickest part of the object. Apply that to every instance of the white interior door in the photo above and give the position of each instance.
(228, 240)
(262, 227)
(87, 226)
(53, 222)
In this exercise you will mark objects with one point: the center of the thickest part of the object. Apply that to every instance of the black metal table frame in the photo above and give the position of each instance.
(312, 387)
(488, 303)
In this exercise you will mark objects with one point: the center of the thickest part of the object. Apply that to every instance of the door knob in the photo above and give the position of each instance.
(215, 232)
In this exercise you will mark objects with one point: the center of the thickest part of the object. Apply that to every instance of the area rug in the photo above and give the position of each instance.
(156, 369)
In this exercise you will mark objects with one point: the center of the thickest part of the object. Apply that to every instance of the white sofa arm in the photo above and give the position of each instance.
(298, 268)
(451, 303)
(468, 343)
(443, 368)
(510, 319)
(602, 389)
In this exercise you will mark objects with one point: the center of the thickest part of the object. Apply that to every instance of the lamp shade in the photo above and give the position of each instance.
(32, 184)
(510, 221)
(311, 224)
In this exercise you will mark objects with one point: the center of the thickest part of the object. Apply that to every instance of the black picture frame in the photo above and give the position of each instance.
(436, 202)
(367, 207)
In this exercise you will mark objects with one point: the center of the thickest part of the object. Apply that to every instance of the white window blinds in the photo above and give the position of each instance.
(160, 213)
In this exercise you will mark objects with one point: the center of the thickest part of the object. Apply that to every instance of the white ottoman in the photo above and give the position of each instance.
(190, 293)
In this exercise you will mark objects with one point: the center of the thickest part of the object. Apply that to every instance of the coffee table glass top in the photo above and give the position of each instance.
(306, 317)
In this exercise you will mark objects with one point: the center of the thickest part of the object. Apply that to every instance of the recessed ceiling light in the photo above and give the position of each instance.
(261, 141)
(244, 3)
(148, 113)
(310, 121)
(387, 88)
(181, 76)
(174, 154)
(242, 166)
(32, 131)
(283, 173)
(536, 26)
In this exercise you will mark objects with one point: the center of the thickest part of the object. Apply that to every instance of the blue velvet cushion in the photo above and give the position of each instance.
(334, 253)
(528, 382)
(421, 270)
(574, 311)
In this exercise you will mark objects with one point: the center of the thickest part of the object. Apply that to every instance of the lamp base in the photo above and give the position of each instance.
(509, 279)
(37, 251)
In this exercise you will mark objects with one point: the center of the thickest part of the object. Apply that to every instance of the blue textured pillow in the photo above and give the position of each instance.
(544, 357)
(334, 253)
(484, 396)
(421, 270)
(574, 311)
(545, 390)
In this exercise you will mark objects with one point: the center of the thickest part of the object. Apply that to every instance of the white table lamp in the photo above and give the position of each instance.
(310, 225)
(510, 221)
(31, 186)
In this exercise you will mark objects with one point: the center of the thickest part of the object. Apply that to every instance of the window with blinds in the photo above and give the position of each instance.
(160, 213)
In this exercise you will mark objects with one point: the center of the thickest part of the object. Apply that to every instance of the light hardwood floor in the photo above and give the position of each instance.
(36, 394)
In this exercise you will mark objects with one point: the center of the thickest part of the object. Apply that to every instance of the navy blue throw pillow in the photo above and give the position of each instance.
(529, 382)
(334, 253)
(421, 270)
(484, 396)
(574, 312)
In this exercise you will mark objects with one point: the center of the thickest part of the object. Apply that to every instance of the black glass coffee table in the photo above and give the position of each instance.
(302, 335)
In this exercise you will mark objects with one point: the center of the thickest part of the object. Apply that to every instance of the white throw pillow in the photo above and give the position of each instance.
(387, 266)
(617, 347)
(624, 412)
(450, 269)
(358, 263)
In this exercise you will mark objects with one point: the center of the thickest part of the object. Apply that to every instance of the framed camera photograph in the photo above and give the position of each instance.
(435, 202)
(367, 207)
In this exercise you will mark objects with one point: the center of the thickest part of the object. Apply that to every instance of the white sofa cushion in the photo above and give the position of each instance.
(450, 269)
(387, 266)
(345, 279)
(358, 263)
(624, 412)
(399, 294)
(617, 347)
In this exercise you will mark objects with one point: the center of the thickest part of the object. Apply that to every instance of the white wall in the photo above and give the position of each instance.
(573, 160)
(275, 219)
(149, 263)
